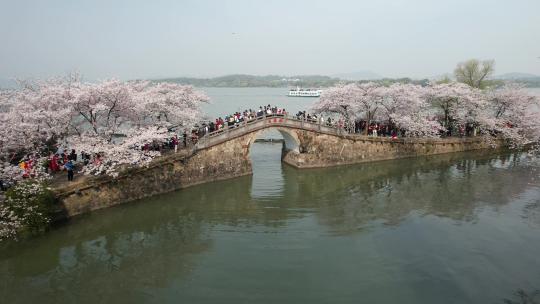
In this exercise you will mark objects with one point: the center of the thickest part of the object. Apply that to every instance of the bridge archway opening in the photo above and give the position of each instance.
(279, 136)
(265, 152)
(290, 143)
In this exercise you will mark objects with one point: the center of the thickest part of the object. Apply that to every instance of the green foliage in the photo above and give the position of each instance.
(474, 72)
(30, 205)
(445, 79)
(523, 297)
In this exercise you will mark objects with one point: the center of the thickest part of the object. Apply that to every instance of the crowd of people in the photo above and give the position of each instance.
(237, 118)
(375, 129)
(233, 120)
(62, 160)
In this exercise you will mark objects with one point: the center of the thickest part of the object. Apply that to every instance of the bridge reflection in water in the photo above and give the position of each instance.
(445, 229)
(268, 181)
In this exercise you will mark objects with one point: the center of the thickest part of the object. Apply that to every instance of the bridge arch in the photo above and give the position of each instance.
(290, 138)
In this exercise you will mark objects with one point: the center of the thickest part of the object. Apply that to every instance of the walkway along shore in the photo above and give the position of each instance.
(224, 154)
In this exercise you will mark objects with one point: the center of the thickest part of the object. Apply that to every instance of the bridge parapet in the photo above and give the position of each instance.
(264, 122)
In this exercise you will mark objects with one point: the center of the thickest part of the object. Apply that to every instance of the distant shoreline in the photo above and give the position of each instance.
(274, 81)
(308, 81)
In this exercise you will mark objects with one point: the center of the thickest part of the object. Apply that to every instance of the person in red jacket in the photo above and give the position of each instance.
(53, 165)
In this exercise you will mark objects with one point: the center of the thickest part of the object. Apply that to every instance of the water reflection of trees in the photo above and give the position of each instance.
(451, 186)
(118, 258)
(531, 211)
(129, 250)
(520, 296)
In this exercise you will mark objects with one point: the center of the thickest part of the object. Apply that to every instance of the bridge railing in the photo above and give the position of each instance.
(263, 118)
(264, 121)
(283, 120)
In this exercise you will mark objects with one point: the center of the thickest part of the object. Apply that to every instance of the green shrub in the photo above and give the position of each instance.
(27, 208)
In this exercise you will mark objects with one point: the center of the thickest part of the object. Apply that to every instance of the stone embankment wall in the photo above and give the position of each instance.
(230, 158)
(168, 173)
(323, 150)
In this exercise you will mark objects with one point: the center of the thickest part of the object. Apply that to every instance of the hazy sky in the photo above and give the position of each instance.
(148, 39)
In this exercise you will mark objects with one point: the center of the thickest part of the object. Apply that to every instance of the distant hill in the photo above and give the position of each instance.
(360, 75)
(246, 81)
(511, 76)
(529, 80)
(275, 81)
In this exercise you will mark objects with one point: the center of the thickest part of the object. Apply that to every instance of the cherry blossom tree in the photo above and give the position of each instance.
(32, 115)
(402, 105)
(114, 156)
(352, 101)
(369, 97)
(102, 108)
(456, 103)
(109, 117)
(406, 108)
(431, 110)
(340, 100)
(168, 105)
(516, 114)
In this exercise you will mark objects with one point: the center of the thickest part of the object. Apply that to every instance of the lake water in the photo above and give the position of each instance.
(534, 91)
(455, 228)
(225, 101)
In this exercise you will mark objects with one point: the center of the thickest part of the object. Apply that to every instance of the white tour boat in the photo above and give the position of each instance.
(298, 92)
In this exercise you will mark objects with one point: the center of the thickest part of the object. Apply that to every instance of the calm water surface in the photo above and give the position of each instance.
(459, 228)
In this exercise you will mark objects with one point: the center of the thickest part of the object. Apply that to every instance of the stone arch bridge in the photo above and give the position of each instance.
(309, 144)
(224, 154)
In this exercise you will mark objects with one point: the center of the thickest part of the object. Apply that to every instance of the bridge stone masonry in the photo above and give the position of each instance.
(309, 144)
(224, 154)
